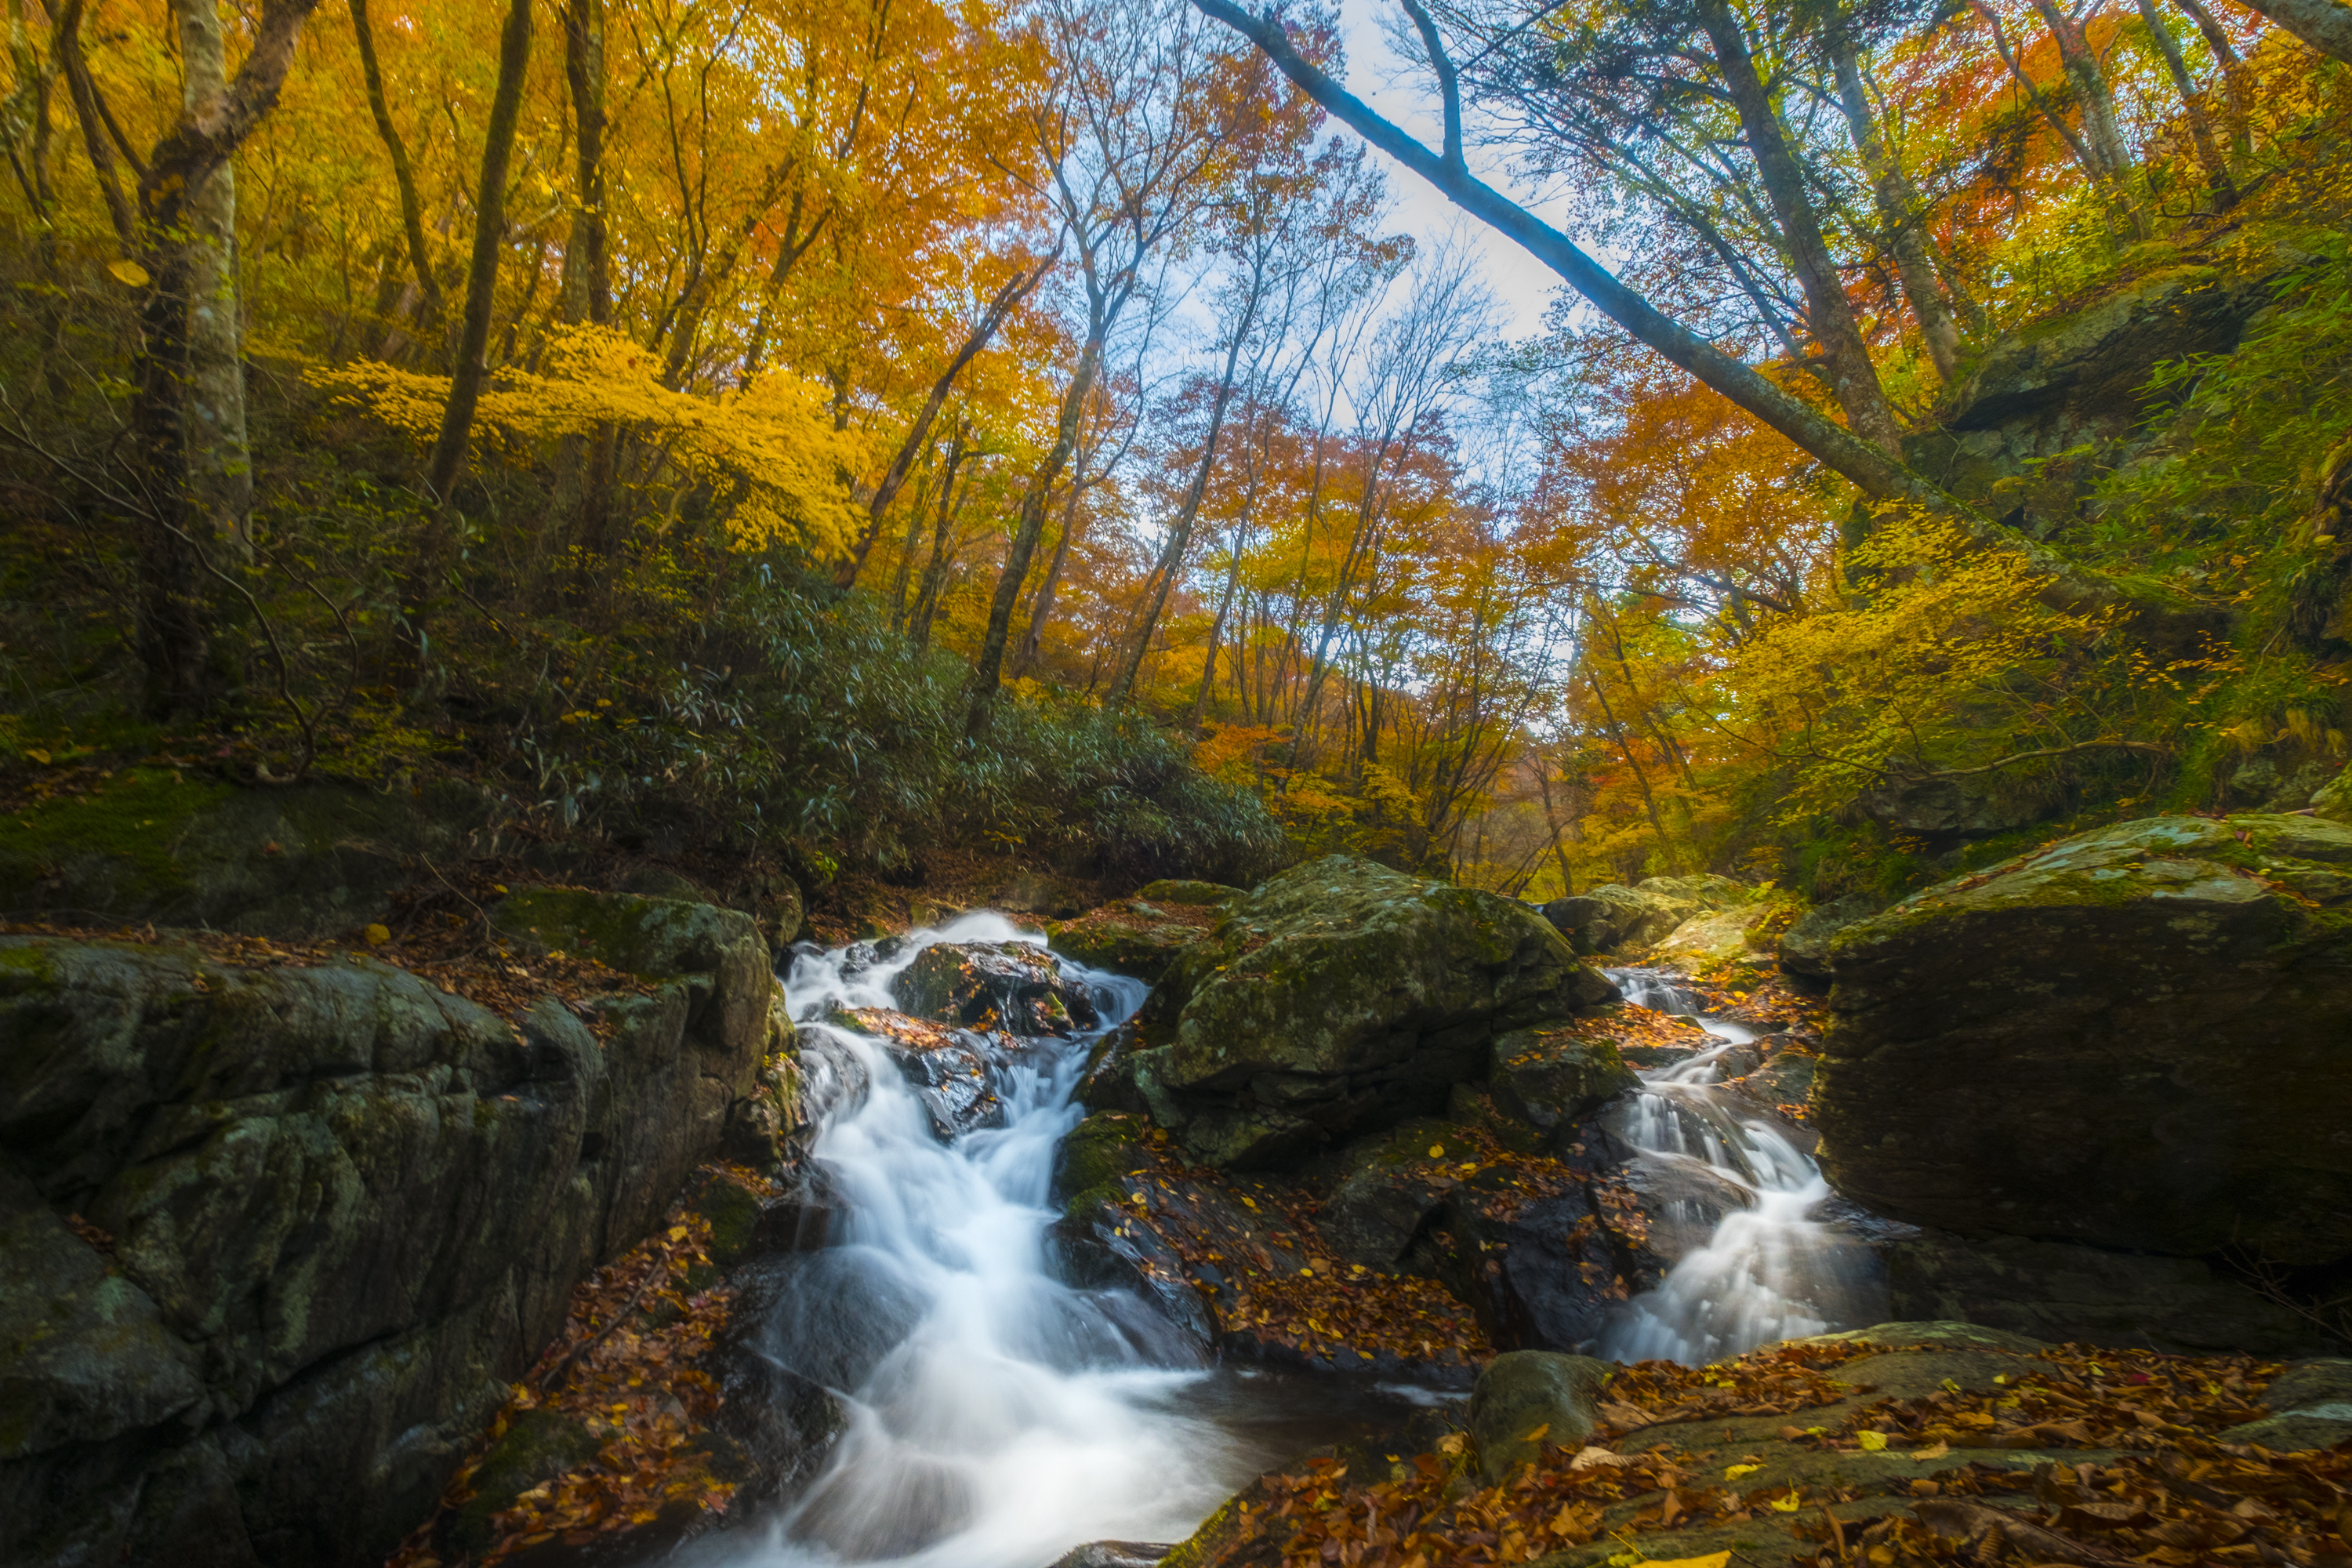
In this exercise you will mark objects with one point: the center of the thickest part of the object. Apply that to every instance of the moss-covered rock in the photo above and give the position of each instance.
(1549, 1077)
(2070, 1294)
(2132, 1038)
(537, 1446)
(1526, 1399)
(1340, 997)
(288, 1234)
(1132, 936)
(1013, 985)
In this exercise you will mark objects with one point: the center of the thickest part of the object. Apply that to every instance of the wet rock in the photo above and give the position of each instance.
(537, 1445)
(1389, 1190)
(1953, 811)
(2311, 1407)
(1549, 1077)
(341, 1210)
(1008, 986)
(952, 1070)
(1115, 1554)
(2084, 1295)
(2131, 1039)
(1526, 1399)
(1341, 997)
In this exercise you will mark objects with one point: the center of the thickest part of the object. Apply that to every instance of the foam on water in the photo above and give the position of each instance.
(996, 1417)
(1772, 1270)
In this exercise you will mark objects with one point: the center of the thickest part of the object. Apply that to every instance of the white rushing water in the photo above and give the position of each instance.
(996, 1417)
(1772, 1270)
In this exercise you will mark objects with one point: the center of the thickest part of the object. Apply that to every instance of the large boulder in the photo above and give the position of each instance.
(1341, 997)
(1613, 915)
(282, 1237)
(2132, 1038)
(2066, 1293)
(1804, 947)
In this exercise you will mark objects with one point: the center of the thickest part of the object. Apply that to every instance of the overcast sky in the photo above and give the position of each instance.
(1521, 283)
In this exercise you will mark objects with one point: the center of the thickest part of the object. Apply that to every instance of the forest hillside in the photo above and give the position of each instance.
(842, 434)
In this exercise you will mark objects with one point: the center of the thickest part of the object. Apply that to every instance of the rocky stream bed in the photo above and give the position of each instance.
(1352, 1218)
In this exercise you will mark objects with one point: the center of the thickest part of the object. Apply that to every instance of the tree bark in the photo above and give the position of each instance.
(173, 640)
(1015, 289)
(1900, 211)
(470, 370)
(412, 207)
(2324, 25)
(2096, 103)
(2200, 124)
(1041, 609)
(220, 460)
(2234, 88)
(1829, 313)
(66, 48)
(980, 699)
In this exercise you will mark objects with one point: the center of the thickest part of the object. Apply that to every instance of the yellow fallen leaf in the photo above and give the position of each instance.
(1538, 1434)
(1733, 1472)
(1437, 1150)
(1872, 1442)
(129, 271)
(1713, 1560)
(1788, 1504)
(377, 935)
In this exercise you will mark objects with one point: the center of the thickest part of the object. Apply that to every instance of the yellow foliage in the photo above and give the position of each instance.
(774, 438)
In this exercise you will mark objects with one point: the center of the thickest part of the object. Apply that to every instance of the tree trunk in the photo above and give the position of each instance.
(220, 462)
(1829, 313)
(1015, 289)
(980, 691)
(1900, 211)
(178, 438)
(935, 572)
(404, 177)
(2193, 104)
(2234, 88)
(2324, 25)
(1171, 558)
(2096, 103)
(470, 369)
(1041, 609)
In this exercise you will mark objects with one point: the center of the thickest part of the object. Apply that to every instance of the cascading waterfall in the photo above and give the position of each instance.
(1772, 1270)
(995, 1415)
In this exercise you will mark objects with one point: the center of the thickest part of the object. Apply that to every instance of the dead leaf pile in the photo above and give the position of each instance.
(2202, 1502)
(2075, 1397)
(1253, 1253)
(624, 1368)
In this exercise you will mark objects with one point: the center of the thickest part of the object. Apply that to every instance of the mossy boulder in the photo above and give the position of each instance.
(1134, 936)
(280, 1235)
(537, 1446)
(1715, 938)
(2132, 1038)
(1341, 997)
(1526, 1399)
(1550, 1075)
(720, 953)
(1611, 916)
(2333, 800)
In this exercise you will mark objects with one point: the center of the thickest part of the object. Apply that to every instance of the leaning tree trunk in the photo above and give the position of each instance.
(2324, 25)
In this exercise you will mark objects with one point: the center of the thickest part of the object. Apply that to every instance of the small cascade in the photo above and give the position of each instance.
(1773, 1269)
(996, 1416)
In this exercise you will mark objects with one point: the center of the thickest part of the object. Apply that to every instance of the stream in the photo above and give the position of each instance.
(997, 1417)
